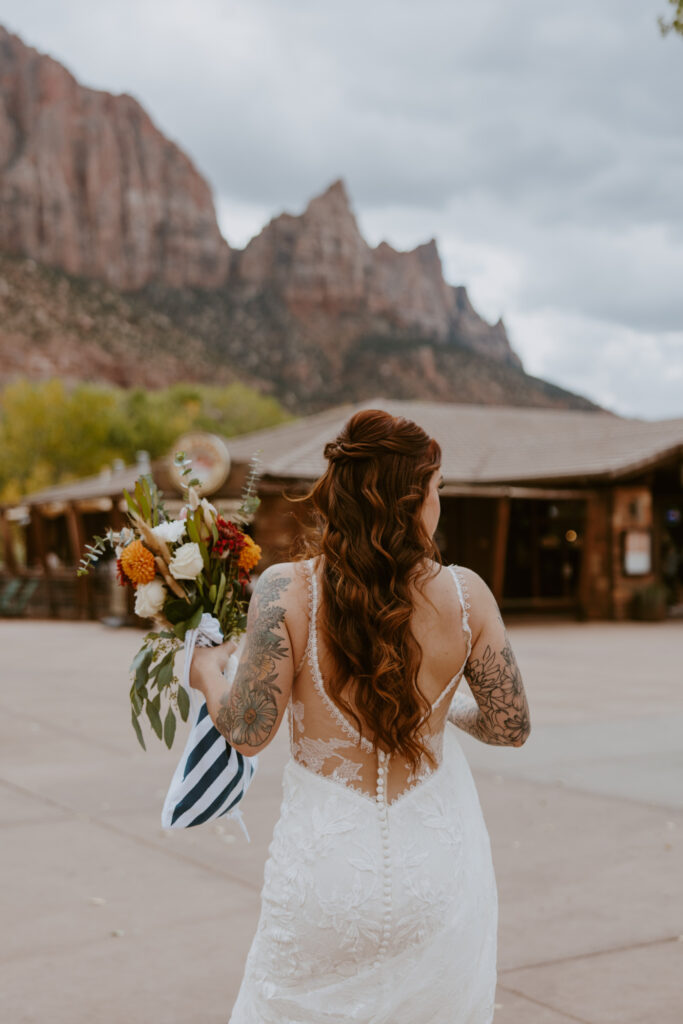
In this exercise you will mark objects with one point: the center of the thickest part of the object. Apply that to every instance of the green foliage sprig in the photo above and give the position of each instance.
(153, 669)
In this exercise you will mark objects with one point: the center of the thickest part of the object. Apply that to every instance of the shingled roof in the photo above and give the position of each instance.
(104, 484)
(483, 443)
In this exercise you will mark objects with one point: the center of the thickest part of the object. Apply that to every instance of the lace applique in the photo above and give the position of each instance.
(315, 753)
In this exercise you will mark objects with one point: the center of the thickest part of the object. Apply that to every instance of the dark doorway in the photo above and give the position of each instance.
(543, 557)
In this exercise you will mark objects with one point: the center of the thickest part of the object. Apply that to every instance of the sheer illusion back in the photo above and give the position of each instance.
(324, 740)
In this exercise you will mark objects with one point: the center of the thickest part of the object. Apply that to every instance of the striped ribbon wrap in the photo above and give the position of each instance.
(211, 777)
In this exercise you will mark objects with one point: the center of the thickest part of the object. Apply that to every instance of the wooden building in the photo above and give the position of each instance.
(575, 512)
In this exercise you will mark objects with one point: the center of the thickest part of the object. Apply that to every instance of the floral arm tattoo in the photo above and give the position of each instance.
(500, 713)
(248, 711)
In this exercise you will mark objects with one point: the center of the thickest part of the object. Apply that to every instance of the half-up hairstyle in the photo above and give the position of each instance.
(367, 507)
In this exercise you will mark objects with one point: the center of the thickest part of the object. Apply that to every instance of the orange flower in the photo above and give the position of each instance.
(138, 563)
(249, 555)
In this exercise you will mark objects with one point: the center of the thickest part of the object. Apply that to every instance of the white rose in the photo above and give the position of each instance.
(187, 562)
(149, 599)
(170, 532)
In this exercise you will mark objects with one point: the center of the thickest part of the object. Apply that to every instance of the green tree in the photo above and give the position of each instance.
(676, 22)
(51, 433)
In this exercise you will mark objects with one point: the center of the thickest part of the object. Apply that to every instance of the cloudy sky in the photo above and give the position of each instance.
(541, 144)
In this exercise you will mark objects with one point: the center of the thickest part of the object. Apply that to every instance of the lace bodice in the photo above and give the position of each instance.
(325, 741)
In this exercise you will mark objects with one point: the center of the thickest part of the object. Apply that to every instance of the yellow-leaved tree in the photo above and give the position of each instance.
(51, 432)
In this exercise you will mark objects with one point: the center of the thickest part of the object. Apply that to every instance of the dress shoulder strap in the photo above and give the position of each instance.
(312, 600)
(464, 598)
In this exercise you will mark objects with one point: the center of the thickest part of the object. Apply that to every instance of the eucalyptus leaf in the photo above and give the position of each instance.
(169, 728)
(180, 629)
(138, 730)
(165, 675)
(183, 703)
(154, 719)
(166, 660)
(135, 700)
(141, 662)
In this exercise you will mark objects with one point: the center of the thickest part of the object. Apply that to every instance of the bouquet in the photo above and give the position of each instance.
(190, 576)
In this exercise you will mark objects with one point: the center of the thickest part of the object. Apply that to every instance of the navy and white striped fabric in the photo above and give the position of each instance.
(211, 777)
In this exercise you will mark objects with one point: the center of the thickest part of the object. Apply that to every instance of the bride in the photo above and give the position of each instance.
(379, 901)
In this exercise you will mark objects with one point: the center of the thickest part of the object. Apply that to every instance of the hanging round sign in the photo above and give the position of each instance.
(210, 460)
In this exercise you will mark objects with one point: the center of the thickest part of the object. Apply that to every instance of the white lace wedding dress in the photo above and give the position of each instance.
(379, 902)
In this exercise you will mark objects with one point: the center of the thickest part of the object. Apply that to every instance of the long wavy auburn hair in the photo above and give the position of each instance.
(367, 511)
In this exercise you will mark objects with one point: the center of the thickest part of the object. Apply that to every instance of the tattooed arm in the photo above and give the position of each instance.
(248, 712)
(499, 713)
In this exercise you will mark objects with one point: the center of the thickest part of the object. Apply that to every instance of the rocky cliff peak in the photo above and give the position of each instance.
(318, 259)
(89, 184)
(320, 266)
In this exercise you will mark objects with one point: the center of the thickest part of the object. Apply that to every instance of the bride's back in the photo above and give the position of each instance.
(324, 739)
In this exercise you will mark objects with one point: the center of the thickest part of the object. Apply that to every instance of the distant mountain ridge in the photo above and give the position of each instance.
(90, 187)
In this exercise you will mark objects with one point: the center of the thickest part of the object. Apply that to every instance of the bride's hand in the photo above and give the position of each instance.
(209, 659)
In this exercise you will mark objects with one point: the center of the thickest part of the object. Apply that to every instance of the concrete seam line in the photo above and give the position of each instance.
(593, 953)
(546, 1006)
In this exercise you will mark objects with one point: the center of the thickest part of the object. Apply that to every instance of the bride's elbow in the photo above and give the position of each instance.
(521, 733)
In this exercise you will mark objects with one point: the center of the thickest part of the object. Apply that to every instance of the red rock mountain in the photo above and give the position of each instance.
(88, 184)
(320, 264)
(91, 189)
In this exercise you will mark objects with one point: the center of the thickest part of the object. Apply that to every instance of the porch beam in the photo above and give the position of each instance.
(500, 541)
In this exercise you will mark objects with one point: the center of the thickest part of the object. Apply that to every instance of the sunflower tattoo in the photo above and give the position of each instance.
(248, 711)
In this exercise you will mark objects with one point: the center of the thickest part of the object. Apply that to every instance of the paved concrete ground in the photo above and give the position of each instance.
(108, 918)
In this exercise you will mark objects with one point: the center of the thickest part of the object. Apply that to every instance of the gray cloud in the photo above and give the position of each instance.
(541, 144)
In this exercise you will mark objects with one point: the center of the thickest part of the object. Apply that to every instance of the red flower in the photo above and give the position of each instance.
(121, 577)
(230, 539)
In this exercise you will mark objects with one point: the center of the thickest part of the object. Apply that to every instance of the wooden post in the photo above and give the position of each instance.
(535, 565)
(500, 541)
(8, 544)
(38, 525)
(74, 522)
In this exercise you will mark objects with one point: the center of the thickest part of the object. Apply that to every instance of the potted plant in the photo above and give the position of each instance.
(650, 603)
